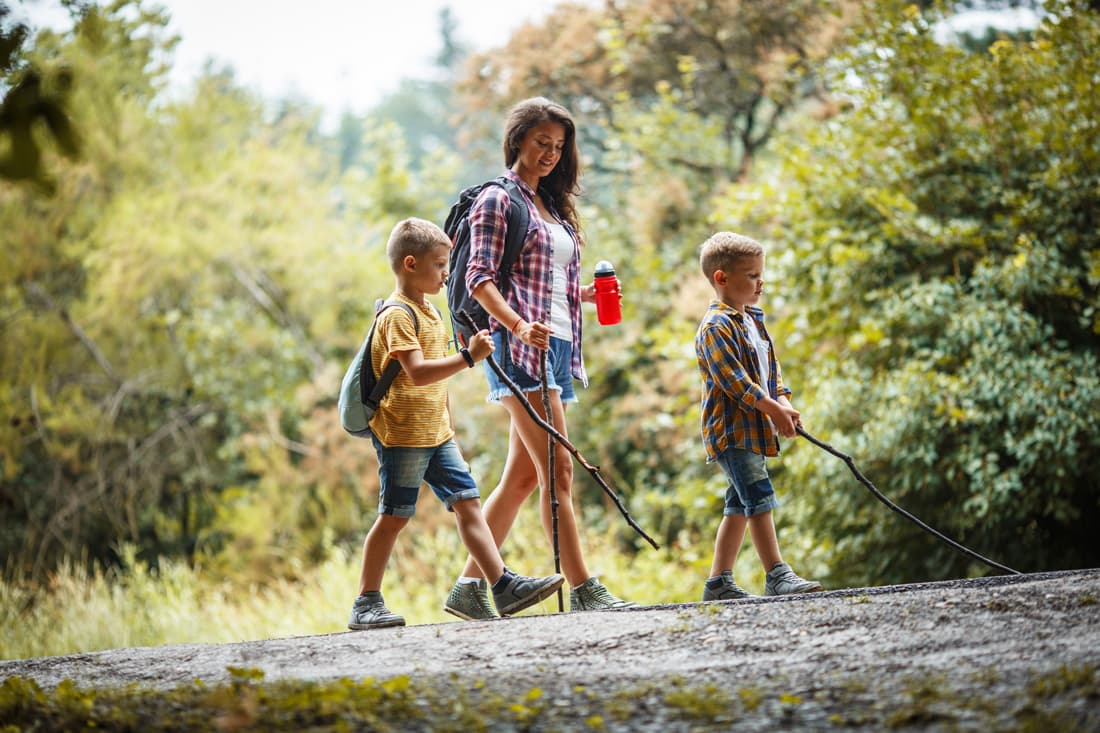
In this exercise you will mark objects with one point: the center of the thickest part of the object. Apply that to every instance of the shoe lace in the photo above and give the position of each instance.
(599, 592)
(373, 609)
(482, 597)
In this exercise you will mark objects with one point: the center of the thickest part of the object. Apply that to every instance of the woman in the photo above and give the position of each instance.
(541, 312)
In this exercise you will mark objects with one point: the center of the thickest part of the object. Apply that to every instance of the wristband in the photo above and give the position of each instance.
(513, 328)
(466, 355)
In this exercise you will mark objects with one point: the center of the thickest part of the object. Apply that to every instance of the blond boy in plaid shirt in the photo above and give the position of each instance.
(745, 406)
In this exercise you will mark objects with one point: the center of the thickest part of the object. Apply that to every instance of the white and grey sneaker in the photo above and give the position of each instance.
(470, 601)
(782, 581)
(370, 612)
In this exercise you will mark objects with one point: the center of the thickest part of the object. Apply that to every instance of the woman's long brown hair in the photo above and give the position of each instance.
(559, 188)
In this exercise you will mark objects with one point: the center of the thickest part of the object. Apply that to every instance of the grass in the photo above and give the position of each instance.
(135, 605)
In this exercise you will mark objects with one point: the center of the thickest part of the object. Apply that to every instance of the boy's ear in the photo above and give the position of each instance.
(718, 278)
(409, 263)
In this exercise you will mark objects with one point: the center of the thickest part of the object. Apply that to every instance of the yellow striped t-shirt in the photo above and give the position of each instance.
(410, 416)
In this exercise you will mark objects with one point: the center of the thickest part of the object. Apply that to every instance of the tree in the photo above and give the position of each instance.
(153, 308)
(176, 316)
(737, 65)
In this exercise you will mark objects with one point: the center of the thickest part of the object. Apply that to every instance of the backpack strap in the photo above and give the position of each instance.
(393, 366)
(518, 219)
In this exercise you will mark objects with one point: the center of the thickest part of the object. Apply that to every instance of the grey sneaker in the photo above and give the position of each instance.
(591, 595)
(727, 591)
(470, 601)
(522, 592)
(782, 581)
(370, 612)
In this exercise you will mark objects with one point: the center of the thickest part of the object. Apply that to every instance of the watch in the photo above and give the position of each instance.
(466, 355)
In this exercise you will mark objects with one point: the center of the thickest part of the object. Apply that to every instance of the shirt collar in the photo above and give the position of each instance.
(721, 307)
(522, 183)
(752, 310)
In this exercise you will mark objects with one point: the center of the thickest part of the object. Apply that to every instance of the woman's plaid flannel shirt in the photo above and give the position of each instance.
(532, 284)
(731, 383)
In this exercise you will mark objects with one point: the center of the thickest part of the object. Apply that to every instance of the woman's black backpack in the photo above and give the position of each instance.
(457, 227)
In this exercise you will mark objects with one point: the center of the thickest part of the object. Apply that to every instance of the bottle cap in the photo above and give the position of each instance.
(604, 269)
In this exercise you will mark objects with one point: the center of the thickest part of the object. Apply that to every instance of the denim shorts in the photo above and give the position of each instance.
(559, 377)
(750, 491)
(400, 471)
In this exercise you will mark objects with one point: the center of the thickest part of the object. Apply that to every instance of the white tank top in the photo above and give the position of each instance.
(562, 254)
(760, 346)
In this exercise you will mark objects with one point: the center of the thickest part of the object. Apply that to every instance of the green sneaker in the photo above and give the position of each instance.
(727, 590)
(470, 601)
(370, 612)
(591, 595)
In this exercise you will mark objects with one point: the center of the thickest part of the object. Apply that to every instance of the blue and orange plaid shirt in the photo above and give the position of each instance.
(532, 283)
(731, 383)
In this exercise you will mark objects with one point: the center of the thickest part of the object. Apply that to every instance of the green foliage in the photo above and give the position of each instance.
(942, 233)
(170, 330)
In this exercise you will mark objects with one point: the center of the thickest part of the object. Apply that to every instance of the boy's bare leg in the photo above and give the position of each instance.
(377, 549)
(727, 543)
(535, 440)
(478, 539)
(762, 530)
(501, 508)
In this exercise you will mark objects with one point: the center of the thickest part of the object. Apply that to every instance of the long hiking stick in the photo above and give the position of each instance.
(550, 479)
(466, 320)
(881, 497)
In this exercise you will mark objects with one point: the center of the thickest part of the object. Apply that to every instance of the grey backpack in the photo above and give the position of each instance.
(360, 391)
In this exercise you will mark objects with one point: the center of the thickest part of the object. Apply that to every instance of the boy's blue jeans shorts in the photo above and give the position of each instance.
(400, 471)
(558, 370)
(750, 491)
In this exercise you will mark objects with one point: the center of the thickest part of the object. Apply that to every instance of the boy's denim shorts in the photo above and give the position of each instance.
(558, 370)
(400, 471)
(750, 491)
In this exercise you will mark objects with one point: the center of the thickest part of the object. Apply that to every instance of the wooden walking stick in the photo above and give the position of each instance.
(550, 479)
(466, 320)
(912, 518)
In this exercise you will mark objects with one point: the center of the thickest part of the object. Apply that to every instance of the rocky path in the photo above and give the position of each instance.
(972, 654)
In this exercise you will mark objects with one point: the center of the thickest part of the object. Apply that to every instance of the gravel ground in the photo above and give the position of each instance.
(1000, 653)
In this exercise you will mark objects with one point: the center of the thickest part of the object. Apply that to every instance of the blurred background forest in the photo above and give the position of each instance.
(182, 281)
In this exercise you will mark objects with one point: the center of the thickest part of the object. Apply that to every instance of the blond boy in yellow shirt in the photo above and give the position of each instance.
(413, 435)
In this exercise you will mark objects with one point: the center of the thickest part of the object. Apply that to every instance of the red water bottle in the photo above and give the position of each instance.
(608, 308)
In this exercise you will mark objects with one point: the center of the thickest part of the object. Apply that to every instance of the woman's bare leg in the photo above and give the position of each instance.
(501, 508)
(535, 440)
